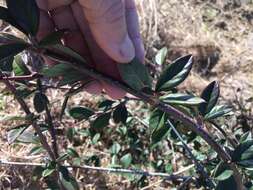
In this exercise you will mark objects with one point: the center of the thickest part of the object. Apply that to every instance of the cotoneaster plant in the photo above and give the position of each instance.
(182, 117)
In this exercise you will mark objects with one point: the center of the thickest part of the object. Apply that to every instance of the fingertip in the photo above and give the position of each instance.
(94, 87)
(114, 92)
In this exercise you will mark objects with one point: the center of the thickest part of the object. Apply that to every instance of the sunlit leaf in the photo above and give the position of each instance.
(210, 94)
(182, 99)
(227, 180)
(15, 133)
(161, 56)
(218, 111)
(126, 160)
(175, 73)
(115, 148)
(19, 66)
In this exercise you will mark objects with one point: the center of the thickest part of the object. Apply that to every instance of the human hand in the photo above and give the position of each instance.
(105, 32)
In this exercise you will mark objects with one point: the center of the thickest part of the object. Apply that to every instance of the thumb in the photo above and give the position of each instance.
(107, 22)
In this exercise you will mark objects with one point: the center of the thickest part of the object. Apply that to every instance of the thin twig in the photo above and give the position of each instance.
(26, 109)
(21, 78)
(170, 177)
(49, 121)
(200, 168)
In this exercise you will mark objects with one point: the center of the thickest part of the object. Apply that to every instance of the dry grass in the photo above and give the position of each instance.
(184, 26)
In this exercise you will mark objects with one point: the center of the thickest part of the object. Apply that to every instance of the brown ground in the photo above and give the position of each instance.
(218, 33)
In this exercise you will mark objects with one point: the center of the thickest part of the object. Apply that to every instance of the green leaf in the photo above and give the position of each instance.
(6, 16)
(161, 56)
(72, 152)
(40, 102)
(26, 14)
(135, 74)
(57, 70)
(72, 77)
(243, 154)
(101, 121)
(126, 160)
(106, 104)
(67, 180)
(80, 113)
(228, 182)
(115, 148)
(161, 129)
(36, 150)
(154, 119)
(218, 111)
(47, 172)
(19, 66)
(69, 53)
(224, 175)
(182, 99)
(120, 114)
(210, 94)
(6, 64)
(12, 49)
(15, 133)
(53, 38)
(174, 74)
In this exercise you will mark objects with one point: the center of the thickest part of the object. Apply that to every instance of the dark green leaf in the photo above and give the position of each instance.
(70, 54)
(243, 154)
(218, 111)
(72, 77)
(72, 152)
(57, 70)
(135, 74)
(37, 173)
(228, 183)
(6, 64)
(224, 175)
(120, 114)
(52, 39)
(161, 129)
(182, 99)
(101, 121)
(67, 180)
(106, 104)
(80, 113)
(15, 133)
(26, 14)
(174, 74)
(6, 16)
(155, 118)
(12, 49)
(126, 160)
(210, 94)
(19, 66)
(40, 101)
(161, 56)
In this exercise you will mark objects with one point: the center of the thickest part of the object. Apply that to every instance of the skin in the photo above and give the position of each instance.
(105, 32)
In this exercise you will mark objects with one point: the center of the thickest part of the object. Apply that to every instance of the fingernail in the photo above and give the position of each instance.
(126, 51)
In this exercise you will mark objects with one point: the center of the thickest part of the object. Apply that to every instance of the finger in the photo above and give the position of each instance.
(103, 62)
(63, 19)
(107, 22)
(132, 21)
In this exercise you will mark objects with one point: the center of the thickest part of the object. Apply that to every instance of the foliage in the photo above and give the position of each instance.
(175, 117)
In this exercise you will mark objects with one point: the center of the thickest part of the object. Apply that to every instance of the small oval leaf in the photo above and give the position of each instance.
(101, 121)
(210, 94)
(80, 113)
(174, 74)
